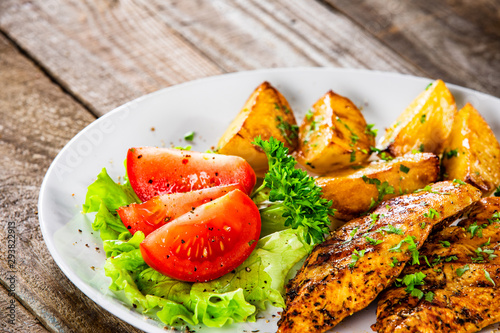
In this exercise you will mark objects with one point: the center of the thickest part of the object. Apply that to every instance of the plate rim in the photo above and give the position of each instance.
(98, 298)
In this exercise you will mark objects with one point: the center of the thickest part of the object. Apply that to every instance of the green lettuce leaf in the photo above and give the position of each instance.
(272, 219)
(105, 190)
(110, 226)
(234, 297)
(115, 247)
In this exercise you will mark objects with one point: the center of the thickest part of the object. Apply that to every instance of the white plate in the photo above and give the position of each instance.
(207, 107)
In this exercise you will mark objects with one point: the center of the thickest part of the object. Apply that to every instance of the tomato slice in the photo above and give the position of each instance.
(153, 171)
(157, 211)
(206, 243)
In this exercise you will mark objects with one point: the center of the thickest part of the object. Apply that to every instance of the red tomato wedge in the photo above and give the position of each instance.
(206, 243)
(154, 171)
(157, 211)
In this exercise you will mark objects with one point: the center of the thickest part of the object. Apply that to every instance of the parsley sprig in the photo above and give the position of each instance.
(411, 281)
(288, 130)
(355, 257)
(412, 248)
(294, 191)
(382, 188)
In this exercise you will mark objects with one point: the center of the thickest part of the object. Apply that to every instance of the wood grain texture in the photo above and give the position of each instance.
(38, 118)
(248, 34)
(14, 317)
(455, 40)
(108, 52)
(104, 52)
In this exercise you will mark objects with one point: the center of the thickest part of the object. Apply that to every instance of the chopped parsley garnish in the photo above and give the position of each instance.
(382, 188)
(309, 114)
(313, 127)
(419, 150)
(427, 261)
(372, 241)
(394, 262)
(450, 154)
(450, 258)
(445, 243)
(475, 230)
(354, 136)
(439, 259)
(428, 188)
(353, 156)
(351, 234)
(429, 296)
(354, 139)
(481, 252)
(461, 271)
(285, 128)
(189, 136)
(404, 168)
(429, 85)
(495, 218)
(382, 154)
(374, 218)
(183, 148)
(390, 229)
(412, 248)
(284, 108)
(488, 277)
(295, 192)
(411, 281)
(497, 192)
(355, 257)
(422, 119)
(357, 167)
(370, 130)
(422, 225)
(432, 214)
(459, 182)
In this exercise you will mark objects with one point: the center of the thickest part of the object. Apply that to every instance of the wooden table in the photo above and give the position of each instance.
(64, 63)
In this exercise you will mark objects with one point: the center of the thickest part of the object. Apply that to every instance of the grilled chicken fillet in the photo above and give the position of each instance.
(464, 279)
(347, 272)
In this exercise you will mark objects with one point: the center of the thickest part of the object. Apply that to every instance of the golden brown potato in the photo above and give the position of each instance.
(333, 135)
(356, 192)
(424, 125)
(265, 113)
(472, 152)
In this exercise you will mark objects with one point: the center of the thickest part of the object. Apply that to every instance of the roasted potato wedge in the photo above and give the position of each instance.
(353, 192)
(472, 152)
(424, 125)
(265, 113)
(333, 135)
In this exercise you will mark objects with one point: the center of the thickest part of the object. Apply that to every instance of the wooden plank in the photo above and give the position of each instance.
(14, 317)
(457, 41)
(106, 53)
(38, 118)
(259, 33)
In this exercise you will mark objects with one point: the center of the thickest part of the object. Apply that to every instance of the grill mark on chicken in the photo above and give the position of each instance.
(465, 303)
(326, 289)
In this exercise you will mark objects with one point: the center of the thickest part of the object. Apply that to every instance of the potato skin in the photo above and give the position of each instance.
(333, 135)
(352, 196)
(424, 125)
(265, 113)
(472, 152)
